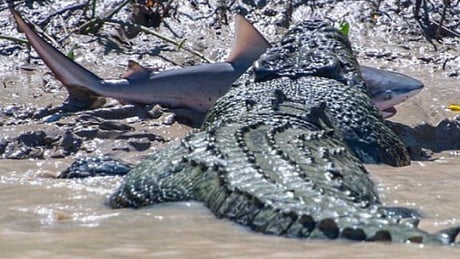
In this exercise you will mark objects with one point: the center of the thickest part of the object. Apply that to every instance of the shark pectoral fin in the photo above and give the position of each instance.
(82, 99)
(135, 71)
(248, 44)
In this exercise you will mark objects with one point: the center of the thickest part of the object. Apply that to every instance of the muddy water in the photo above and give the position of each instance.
(56, 218)
(42, 216)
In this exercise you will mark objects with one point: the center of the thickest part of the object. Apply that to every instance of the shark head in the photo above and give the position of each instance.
(387, 89)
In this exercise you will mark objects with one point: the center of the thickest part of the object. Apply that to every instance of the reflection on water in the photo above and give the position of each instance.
(42, 216)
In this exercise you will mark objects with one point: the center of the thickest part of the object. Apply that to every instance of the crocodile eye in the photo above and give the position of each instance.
(388, 95)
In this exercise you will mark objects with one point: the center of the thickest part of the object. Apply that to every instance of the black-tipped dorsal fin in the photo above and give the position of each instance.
(135, 71)
(248, 44)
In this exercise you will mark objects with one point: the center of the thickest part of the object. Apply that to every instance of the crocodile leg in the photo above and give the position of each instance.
(160, 178)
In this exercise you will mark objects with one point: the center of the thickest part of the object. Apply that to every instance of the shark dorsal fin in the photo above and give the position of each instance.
(136, 71)
(248, 44)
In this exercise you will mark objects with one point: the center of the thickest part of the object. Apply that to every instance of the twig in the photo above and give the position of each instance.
(21, 41)
(68, 8)
(444, 28)
(11, 3)
(93, 8)
(178, 44)
(96, 23)
(417, 9)
(39, 30)
(443, 16)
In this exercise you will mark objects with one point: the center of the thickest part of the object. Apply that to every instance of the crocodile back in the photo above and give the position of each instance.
(316, 52)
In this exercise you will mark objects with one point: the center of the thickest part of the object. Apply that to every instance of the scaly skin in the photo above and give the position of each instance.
(281, 155)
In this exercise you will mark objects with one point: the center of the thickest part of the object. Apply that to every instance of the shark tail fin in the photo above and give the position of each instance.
(248, 44)
(79, 82)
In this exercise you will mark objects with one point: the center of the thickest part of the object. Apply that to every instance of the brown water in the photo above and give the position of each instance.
(45, 217)
(42, 216)
(61, 218)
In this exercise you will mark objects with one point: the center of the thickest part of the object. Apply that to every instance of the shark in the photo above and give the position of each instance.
(195, 88)
(388, 88)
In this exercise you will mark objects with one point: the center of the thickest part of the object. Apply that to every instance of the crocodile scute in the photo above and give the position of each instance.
(282, 154)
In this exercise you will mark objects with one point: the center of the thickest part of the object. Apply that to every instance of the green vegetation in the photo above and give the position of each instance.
(344, 28)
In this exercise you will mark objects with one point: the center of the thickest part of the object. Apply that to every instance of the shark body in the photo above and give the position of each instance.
(196, 87)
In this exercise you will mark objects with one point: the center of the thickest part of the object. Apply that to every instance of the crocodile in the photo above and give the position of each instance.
(282, 153)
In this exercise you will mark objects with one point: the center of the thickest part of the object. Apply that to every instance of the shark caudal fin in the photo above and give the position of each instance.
(73, 76)
(248, 44)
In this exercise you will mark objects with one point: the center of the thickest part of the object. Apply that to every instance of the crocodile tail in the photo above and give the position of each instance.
(73, 76)
(248, 44)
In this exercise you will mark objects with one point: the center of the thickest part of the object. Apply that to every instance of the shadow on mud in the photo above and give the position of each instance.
(424, 139)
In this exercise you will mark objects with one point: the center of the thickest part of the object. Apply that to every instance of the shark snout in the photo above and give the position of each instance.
(389, 98)
(387, 88)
